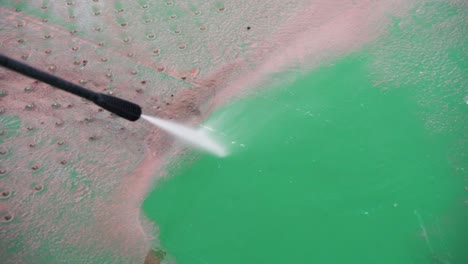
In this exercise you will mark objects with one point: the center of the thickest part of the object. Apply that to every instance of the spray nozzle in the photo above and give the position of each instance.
(118, 106)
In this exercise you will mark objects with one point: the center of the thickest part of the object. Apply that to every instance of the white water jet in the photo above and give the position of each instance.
(196, 138)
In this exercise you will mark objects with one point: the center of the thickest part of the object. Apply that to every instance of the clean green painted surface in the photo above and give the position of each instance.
(341, 171)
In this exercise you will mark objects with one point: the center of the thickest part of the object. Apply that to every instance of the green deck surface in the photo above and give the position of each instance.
(339, 171)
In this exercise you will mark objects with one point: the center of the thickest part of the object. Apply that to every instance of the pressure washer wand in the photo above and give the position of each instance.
(118, 106)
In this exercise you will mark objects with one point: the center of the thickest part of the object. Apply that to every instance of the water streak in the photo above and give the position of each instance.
(196, 138)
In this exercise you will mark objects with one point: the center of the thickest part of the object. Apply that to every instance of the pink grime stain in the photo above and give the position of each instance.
(95, 169)
(317, 35)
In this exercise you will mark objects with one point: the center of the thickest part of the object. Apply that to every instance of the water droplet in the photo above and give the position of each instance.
(63, 162)
(150, 36)
(156, 51)
(28, 89)
(81, 81)
(97, 13)
(104, 59)
(173, 16)
(177, 31)
(126, 39)
(169, 3)
(182, 46)
(3, 93)
(77, 62)
(44, 7)
(8, 217)
(134, 72)
(52, 68)
(92, 138)
(59, 123)
(120, 10)
(47, 36)
(69, 3)
(48, 52)
(75, 48)
(101, 44)
(130, 54)
(2, 132)
(20, 40)
(32, 145)
(38, 187)
(61, 142)
(3, 151)
(109, 75)
(139, 90)
(20, 24)
(73, 32)
(221, 9)
(202, 28)
(145, 6)
(5, 194)
(56, 105)
(148, 20)
(35, 167)
(197, 12)
(97, 28)
(29, 107)
(161, 69)
(45, 20)
(30, 128)
(3, 171)
(2, 110)
(124, 24)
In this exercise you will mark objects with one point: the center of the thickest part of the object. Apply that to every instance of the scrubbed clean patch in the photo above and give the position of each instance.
(425, 47)
(427, 51)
